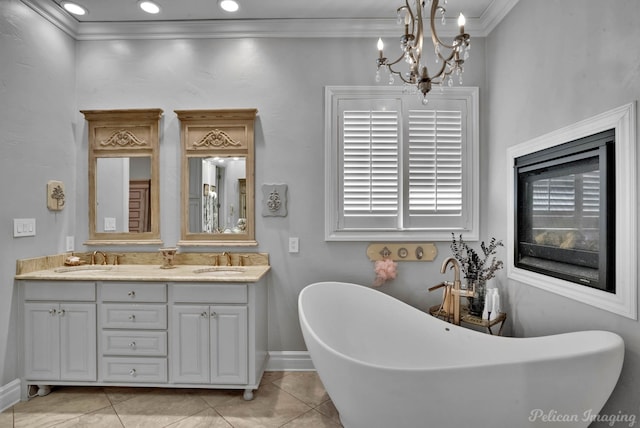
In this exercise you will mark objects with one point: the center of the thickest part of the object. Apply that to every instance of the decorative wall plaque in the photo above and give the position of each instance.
(55, 195)
(274, 200)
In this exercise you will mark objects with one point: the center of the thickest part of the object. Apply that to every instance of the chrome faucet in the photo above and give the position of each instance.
(228, 256)
(104, 257)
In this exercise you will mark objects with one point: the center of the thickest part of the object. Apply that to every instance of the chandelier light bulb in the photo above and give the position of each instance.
(380, 45)
(461, 20)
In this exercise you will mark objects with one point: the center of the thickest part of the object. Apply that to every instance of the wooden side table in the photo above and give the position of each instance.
(467, 318)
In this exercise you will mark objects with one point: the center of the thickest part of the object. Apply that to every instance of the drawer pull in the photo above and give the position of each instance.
(131, 293)
(132, 317)
(132, 345)
(132, 372)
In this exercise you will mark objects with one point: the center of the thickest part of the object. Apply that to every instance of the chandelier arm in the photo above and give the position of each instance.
(400, 58)
(434, 35)
(397, 73)
(420, 30)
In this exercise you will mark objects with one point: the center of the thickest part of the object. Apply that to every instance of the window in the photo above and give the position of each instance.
(396, 169)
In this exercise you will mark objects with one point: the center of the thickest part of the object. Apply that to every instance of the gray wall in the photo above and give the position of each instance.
(551, 64)
(37, 144)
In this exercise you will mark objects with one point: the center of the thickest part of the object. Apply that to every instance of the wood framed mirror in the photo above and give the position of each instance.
(217, 201)
(124, 171)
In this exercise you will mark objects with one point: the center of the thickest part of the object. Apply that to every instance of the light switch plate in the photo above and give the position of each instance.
(109, 224)
(24, 227)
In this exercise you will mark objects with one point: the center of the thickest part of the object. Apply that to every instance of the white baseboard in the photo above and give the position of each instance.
(9, 395)
(289, 361)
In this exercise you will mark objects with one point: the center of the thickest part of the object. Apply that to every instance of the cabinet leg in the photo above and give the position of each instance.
(44, 390)
(248, 394)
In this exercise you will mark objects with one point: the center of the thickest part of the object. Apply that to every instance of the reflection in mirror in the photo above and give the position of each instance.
(123, 194)
(215, 200)
(217, 177)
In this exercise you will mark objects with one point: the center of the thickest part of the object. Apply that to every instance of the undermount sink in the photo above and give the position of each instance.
(221, 270)
(83, 269)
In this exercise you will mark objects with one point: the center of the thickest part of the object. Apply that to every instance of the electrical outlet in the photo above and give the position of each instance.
(69, 243)
(24, 227)
(294, 244)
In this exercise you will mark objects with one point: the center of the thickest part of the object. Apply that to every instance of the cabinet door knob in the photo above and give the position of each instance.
(132, 317)
(131, 293)
(213, 315)
(132, 372)
(132, 345)
(204, 314)
(62, 312)
(53, 312)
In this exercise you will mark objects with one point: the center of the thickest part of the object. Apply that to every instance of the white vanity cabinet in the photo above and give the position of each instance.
(218, 334)
(143, 329)
(133, 332)
(60, 331)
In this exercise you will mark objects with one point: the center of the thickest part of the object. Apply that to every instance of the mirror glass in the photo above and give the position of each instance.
(217, 195)
(123, 194)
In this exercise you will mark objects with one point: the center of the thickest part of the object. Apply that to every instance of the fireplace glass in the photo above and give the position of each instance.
(565, 211)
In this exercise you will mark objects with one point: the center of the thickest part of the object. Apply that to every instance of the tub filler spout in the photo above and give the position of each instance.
(453, 291)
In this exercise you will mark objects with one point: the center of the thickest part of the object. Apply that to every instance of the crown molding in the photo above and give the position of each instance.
(256, 28)
(494, 14)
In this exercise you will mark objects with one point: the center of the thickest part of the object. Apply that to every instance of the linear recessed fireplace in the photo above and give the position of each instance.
(565, 211)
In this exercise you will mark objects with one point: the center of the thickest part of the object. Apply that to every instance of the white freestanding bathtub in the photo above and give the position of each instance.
(386, 364)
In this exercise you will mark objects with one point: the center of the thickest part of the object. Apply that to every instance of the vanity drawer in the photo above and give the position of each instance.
(81, 291)
(134, 292)
(134, 316)
(210, 293)
(126, 369)
(145, 343)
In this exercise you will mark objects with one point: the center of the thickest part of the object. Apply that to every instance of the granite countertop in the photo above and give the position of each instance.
(139, 272)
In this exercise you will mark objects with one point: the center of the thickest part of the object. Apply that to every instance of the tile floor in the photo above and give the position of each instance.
(284, 399)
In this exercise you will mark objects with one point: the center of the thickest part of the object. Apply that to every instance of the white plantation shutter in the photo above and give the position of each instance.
(435, 162)
(370, 156)
(397, 169)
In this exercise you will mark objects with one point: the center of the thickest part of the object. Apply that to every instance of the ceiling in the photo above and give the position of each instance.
(326, 18)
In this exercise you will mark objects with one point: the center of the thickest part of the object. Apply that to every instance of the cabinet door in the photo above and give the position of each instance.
(229, 344)
(189, 336)
(77, 341)
(42, 341)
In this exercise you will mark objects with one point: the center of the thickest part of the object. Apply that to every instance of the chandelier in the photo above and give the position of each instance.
(448, 58)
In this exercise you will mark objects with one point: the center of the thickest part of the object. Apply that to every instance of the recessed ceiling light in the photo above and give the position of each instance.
(229, 5)
(149, 7)
(74, 8)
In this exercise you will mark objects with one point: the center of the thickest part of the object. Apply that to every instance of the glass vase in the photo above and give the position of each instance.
(476, 303)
